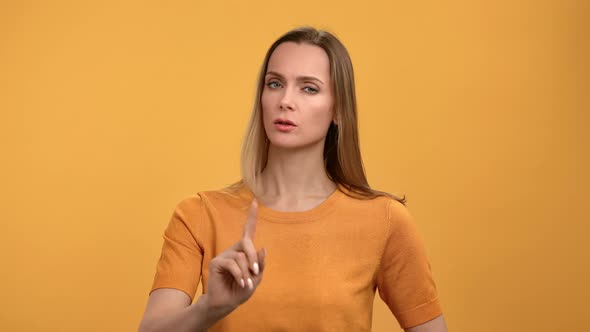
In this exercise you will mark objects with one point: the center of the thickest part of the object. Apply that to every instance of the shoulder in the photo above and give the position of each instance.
(389, 207)
(189, 202)
(396, 210)
(194, 210)
(401, 222)
(213, 199)
(383, 206)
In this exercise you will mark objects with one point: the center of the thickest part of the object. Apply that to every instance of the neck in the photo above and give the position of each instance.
(296, 174)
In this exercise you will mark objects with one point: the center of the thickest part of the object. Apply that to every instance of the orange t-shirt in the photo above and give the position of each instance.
(322, 266)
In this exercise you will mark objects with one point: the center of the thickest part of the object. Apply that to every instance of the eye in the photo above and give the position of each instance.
(310, 90)
(273, 84)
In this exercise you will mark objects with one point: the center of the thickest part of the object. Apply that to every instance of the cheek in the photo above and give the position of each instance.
(265, 105)
(268, 100)
(323, 109)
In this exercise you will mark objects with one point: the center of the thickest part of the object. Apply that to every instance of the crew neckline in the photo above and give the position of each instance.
(315, 213)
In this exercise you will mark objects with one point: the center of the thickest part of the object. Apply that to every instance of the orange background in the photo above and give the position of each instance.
(113, 111)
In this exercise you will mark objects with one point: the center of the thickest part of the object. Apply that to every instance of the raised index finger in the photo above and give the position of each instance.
(250, 225)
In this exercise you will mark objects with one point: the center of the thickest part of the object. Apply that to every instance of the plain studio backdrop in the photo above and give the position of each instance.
(113, 111)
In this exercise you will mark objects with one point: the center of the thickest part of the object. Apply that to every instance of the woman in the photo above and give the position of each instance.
(331, 239)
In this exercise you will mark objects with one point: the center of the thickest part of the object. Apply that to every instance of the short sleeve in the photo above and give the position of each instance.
(181, 257)
(404, 279)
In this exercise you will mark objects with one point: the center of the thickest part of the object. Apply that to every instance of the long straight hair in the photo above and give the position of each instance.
(342, 156)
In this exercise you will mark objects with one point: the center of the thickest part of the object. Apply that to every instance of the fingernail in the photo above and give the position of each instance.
(256, 269)
(250, 284)
(242, 283)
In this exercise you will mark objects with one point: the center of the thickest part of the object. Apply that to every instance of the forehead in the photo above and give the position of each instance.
(292, 60)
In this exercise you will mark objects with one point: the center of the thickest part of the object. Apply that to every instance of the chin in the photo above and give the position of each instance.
(292, 143)
(285, 144)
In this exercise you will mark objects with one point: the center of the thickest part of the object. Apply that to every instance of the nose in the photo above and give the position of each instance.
(286, 102)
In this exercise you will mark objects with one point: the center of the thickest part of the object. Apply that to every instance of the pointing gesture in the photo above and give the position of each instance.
(250, 225)
(236, 273)
(247, 243)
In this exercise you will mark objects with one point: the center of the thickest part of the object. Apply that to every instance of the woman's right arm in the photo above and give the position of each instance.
(170, 310)
(234, 275)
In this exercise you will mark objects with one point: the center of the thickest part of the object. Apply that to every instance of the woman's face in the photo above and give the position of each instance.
(297, 89)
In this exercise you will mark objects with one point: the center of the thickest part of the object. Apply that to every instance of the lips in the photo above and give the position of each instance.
(284, 122)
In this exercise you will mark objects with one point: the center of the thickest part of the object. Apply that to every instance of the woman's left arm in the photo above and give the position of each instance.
(435, 325)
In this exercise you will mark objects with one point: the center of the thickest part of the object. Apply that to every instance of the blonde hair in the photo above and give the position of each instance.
(342, 156)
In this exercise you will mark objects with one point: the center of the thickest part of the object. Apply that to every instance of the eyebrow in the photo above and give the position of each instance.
(299, 78)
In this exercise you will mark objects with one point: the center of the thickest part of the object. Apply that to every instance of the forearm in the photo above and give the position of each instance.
(198, 317)
(436, 325)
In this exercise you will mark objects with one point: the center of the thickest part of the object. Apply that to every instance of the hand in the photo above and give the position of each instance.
(235, 274)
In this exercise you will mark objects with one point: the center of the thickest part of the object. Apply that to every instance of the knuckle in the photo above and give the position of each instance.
(252, 255)
(244, 243)
(235, 270)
